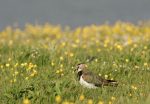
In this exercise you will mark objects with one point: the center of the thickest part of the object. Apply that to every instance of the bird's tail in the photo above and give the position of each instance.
(111, 83)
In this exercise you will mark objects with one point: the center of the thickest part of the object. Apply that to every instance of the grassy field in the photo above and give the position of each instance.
(37, 63)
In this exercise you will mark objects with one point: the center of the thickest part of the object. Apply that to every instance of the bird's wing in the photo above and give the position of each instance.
(92, 78)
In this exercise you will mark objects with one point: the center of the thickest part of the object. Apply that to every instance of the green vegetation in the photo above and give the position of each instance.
(37, 64)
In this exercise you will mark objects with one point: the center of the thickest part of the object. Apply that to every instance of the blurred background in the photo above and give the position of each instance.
(72, 12)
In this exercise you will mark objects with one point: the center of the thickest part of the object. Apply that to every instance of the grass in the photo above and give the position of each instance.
(37, 64)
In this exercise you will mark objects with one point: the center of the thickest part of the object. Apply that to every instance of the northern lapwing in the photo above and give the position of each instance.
(91, 80)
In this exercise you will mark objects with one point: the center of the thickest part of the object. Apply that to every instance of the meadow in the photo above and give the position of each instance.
(37, 63)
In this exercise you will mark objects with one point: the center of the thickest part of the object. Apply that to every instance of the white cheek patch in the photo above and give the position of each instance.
(79, 69)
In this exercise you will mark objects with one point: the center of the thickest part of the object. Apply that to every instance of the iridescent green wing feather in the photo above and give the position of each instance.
(92, 78)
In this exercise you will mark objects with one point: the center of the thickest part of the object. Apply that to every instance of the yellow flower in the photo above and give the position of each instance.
(105, 45)
(57, 71)
(100, 74)
(61, 58)
(74, 45)
(16, 72)
(135, 45)
(34, 66)
(61, 65)
(81, 97)
(66, 102)
(145, 47)
(7, 65)
(113, 98)
(63, 44)
(52, 63)
(66, 53)
(71, 54)
(100, 102)
(137, 67)
(25, 64)
(26, 78)
(131, 49)
(145, 64)
(98, 50)
(109, 102)
(33, 73)
(2, 66)
(9, 59)
(16, 65)
(114, 64)
(61, 70)
(134, 87)
(22, 64)
(119, 47)
(127, 60)
(15, 80)
(10, 42)
(106, 76)
(112, 78)
(26, 101)
(96, 60)
(77, 41)
(62, 74)
(71, 103)
(90, 101)
(58, 98)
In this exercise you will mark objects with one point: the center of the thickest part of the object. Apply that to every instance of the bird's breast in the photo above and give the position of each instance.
(86, 84)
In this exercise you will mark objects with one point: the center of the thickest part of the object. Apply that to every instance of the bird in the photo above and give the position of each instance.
(91, 80)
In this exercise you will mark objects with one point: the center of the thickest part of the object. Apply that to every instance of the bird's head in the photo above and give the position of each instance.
(81, 67)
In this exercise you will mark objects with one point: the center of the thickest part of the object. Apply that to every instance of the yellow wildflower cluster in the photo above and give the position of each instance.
(134, 87)
(60, 72)
(17, 69)
(106, 35)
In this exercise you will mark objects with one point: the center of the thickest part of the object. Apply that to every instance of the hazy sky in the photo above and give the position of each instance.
(72, 12)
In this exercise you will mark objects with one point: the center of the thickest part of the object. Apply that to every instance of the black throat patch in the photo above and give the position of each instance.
(79, 74)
